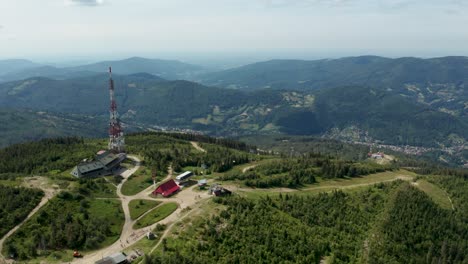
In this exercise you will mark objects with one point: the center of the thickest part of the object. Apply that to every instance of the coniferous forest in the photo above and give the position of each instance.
(387, 223)
(15, 205)
(391, 222)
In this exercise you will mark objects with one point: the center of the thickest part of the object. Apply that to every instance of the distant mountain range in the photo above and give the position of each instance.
(365, 70)
(150, 100)
(170, 69)
(438, 83)
(403, 101)
(17, 125)
(11, 66)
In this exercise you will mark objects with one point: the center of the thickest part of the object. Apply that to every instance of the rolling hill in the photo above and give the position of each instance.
(169, 69)
(13, 65)
(364, 70)
(439, 83)
(26, 125)
(350, 112)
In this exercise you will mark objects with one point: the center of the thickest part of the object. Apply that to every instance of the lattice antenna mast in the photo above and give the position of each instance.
(116, 135)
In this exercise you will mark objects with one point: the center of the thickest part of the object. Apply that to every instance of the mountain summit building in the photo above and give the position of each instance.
(105, 163)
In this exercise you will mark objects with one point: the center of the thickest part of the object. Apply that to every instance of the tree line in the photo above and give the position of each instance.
(296, 172)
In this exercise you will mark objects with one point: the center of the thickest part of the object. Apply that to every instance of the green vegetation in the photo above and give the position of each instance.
(416, 230)
(290, 145)
(138, 182)
(438, 195)
(18, 125)
(402, 109)
(145, 245)
(298, 229)
(99, 188)
(347, 185)
(386, 223)
(110, 211)
(321, 74)
(156, 215)
(300, 171)
(68, 221)
(140, 206)
(48, 156)
(15, 205)
(456, 187)
(161, 150)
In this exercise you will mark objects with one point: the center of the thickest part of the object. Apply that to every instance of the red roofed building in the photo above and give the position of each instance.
(167, 189)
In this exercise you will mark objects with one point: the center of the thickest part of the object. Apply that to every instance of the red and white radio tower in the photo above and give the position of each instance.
(116, 136)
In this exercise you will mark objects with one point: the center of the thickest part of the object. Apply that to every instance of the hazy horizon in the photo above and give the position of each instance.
(89, 30)
(206, 59)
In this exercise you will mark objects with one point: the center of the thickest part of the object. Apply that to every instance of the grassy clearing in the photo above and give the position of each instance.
(140, 206)
(156, 215)
(437, 195)
(105, 190)
(187, 230)
(145, 245)
(111, 210)
(348, 184)
(11, 183)
(139, 181)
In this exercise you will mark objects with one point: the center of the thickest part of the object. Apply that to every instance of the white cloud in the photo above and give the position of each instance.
(84, 2)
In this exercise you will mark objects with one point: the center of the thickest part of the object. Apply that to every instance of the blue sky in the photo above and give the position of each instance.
(176, 28)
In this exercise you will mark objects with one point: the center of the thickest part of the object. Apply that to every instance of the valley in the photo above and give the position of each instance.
(424, 115)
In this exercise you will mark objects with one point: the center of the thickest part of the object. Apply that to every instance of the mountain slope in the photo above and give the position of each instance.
(24, 125)
(364, 70)
(439, 82)
(352, 112)
(13, 65)
(169, 69)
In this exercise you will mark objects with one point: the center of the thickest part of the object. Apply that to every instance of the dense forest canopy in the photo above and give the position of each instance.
(15, 205)
(387, 223)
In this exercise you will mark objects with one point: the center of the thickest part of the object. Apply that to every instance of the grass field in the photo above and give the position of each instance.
(187, 230)
(437, 195)
(156, 215)
(105, 190)
(347, 184)
(139, 207)
(137, 182)
(16, 182)
(112, 211)
(145, 245)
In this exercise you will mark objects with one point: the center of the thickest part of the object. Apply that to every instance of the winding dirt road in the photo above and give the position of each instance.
(197, 146)
(129, 236)
(36, 182)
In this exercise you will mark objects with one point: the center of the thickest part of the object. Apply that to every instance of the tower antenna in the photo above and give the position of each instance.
(116, 135)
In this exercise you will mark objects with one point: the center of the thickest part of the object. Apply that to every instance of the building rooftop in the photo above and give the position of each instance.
(116, 258)
(89, 166)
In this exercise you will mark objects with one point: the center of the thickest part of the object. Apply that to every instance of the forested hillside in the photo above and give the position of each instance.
(18, 126)
(388, 223)
(327, 73)
(350, 113)
(15, 205)
(171, 69)
(47, 156)
(416, 230)
(297, 172)
(393, 221)
(69, 221)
